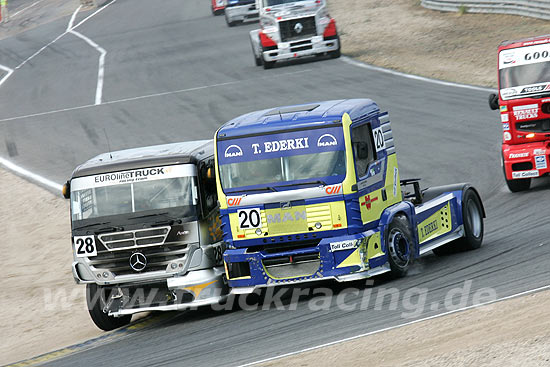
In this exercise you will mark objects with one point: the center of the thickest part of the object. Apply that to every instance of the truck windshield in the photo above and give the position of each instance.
(283, 169)
(143, 190)
(524, 71)
(287, 158)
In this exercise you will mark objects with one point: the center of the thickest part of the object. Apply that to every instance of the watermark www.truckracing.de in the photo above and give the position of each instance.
(410, 303)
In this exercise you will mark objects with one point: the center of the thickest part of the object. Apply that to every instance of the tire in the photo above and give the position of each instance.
(96, 297)
(472, 217)
(336, 54)
(257, 60)
(230, 24)
(267, 64)
(522, 184)
(400, 246)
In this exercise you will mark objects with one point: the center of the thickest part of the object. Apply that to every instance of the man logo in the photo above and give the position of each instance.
(298, 28)
(327, 140)
(233, 151)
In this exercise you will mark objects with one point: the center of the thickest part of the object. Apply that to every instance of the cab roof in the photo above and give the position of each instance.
(157, 155)
(524, 42)
(297, 117)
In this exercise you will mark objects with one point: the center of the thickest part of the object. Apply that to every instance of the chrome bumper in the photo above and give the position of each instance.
(208, 287)
(242, 13)
(301, 48)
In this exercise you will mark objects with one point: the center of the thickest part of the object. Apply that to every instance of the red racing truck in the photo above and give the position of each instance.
(524, 104)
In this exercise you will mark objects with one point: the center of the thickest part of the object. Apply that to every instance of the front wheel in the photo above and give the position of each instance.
(400, 246)
(518, 185)
(96, 298)
(336, 54)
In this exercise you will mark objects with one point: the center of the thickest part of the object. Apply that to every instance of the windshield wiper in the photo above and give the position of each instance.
(169, 221)
(149, 215)
(267, 188)
(318, 182)
(91, 225)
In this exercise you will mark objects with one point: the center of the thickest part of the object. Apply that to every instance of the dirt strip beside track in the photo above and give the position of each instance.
(509, 333)
(402, 35)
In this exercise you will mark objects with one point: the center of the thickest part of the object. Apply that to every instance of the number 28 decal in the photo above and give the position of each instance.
(85, 246)
(379, 140)
(250, 218)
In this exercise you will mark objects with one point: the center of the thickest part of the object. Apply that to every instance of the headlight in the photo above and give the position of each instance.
(267, 22)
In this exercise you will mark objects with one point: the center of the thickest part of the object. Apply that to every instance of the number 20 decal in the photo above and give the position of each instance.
(379, 140)
(250, 218)
(85, 246)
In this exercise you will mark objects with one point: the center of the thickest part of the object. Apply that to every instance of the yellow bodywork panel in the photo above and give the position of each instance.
(436, 225)
(295, 220)
(353, 259)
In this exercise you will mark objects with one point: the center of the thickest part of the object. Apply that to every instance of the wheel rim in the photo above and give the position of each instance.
(399, 247)
(474, 218)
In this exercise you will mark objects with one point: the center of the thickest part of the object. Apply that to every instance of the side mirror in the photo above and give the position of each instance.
(493, 101)
(66, 190)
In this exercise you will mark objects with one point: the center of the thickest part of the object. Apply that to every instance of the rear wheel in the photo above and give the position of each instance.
(400, 246)
(96, 298)
(472, 218)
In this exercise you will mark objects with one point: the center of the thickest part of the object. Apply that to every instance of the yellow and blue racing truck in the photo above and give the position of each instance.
(312, 192)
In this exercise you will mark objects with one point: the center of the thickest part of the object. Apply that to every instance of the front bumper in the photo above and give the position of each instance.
(526, 160)
(241, 13)
(202, 288)
(321, 262)
(301, 48)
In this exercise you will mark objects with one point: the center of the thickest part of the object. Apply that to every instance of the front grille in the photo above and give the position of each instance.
(139, 238)
(297, 28)
(539, 126)
(118, 262)
(286, 270)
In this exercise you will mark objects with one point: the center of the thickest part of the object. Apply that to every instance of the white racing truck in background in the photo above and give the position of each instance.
(238, 11)
(146, 231)
(291, 29)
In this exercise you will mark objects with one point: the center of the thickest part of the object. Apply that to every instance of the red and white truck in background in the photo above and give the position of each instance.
(291, 29)
(524, 104)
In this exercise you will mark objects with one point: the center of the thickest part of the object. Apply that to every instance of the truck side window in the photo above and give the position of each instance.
(363, 152)
(209, 195)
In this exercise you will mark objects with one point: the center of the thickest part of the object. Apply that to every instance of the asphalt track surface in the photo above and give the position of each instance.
(173, 72)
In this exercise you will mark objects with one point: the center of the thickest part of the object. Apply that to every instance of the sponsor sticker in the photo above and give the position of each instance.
(343, 245)
(504, 117)
(234, 201)
(538, 151)
(540, 162)
(507, 136)
(525, 174)
(503, 108)
(518, 155)
(530, 111)
(333, 190)
(506, 126)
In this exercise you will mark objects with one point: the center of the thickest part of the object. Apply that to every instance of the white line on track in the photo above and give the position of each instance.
(101, 50)
(414, 77)
(25, 8)
(30, 175)
(8, 71)
(154, 95)
(547, 287)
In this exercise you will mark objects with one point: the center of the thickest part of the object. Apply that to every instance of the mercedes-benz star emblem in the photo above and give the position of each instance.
(138, 261)
(298, 28)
